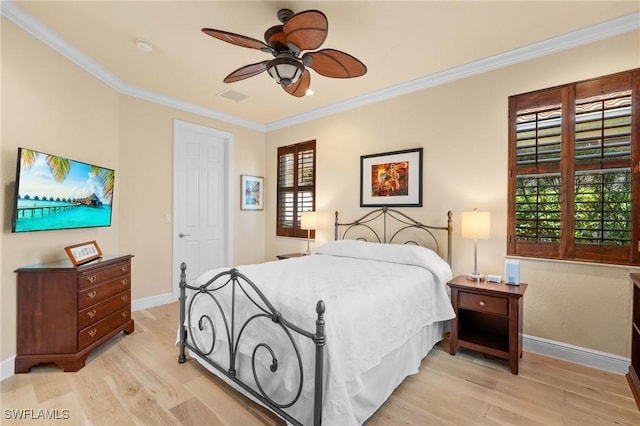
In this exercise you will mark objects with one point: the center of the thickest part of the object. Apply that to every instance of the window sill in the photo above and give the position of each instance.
(632, 268)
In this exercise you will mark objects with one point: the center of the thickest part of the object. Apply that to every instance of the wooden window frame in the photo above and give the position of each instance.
(568, 167)
(296, 190)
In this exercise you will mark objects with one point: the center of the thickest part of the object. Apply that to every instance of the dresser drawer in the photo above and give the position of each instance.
(92, 295)
(98, 276)
(483, 303)
(98, 311)
(94, 332)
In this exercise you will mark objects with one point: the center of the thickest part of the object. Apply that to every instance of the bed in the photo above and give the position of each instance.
(325, 338)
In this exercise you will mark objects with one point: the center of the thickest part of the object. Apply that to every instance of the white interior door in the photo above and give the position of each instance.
(201, 200)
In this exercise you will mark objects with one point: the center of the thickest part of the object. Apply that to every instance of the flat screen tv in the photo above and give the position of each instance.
(58, 193)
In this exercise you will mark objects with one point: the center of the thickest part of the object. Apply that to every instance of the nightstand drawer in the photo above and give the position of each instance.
(483, 303)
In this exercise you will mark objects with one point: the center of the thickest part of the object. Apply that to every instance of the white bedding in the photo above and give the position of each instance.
(378, 297)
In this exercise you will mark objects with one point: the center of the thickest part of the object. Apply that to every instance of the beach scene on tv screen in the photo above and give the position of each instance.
(58, 193)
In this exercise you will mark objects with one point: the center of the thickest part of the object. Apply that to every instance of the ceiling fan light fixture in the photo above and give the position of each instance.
(303, 31)
(285, 70)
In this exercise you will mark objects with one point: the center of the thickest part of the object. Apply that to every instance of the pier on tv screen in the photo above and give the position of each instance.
(58, 193)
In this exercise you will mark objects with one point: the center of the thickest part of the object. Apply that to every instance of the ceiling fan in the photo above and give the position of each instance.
(303, 31)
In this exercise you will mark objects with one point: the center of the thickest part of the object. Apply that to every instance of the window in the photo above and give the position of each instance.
(574, 171)
(296, 187)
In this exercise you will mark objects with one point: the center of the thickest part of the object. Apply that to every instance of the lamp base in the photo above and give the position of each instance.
(475, 277)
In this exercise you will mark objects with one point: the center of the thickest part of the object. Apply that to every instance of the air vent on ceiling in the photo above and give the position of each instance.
(233, 95)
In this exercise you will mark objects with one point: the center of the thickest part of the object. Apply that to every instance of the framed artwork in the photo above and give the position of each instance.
(391, 179)
(252, 192)
(83, 252)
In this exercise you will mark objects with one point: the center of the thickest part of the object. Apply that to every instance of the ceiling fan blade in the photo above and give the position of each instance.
(237, 39)
(334, 63)
(299, 88)
(306, 30)
(275, 38)
(246, 72)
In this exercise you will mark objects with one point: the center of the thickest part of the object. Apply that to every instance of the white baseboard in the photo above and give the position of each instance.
(7, 367)
(152, 302)
(579, 355)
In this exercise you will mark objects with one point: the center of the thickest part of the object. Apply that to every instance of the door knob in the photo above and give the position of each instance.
(181, 235)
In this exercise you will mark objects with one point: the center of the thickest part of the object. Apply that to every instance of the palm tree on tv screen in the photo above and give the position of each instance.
(105, 177)
(60, 168)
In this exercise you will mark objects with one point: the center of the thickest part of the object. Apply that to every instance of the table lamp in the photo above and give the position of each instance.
(308, 221)
(476, 225)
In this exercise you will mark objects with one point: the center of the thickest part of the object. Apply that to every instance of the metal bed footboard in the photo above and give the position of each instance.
(239, 286)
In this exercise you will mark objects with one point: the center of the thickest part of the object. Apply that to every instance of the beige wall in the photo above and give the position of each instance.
(462, 127)
(50, 104)
(146, 196)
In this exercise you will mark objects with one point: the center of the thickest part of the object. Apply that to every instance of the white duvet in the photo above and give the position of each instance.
(377, 297)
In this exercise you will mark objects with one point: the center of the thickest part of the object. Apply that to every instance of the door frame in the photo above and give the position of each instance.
(178, 126)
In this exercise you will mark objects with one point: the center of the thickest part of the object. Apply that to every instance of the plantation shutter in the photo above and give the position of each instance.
(296, 187)
(535, 179)
(573, 171)
(602, 180)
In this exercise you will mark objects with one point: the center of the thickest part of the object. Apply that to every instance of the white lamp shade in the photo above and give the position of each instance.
(285, 70)
(476, 225)
(309, 220)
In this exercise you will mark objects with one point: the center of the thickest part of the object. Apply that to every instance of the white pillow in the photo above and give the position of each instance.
(394, 253)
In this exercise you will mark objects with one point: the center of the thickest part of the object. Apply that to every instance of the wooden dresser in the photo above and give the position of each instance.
(66, 311)
(634, 369)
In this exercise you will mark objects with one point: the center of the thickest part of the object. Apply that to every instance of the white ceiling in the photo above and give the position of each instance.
(404, 44)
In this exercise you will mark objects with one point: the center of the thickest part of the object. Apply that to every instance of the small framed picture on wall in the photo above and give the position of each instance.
(251, 192)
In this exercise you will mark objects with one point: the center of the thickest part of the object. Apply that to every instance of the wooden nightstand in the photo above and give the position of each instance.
(488, 318)
(289, 255)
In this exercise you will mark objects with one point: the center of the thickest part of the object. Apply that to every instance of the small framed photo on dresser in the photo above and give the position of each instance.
(83, 252)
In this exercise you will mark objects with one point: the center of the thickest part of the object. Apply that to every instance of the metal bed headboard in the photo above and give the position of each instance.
(394, 222)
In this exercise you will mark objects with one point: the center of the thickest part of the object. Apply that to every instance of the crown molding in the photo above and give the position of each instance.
(535, 50)
(10, 10)
(13, 12)
(624, 24)
(150, 96)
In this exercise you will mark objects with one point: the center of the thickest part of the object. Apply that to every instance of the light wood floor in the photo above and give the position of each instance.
(136, 379)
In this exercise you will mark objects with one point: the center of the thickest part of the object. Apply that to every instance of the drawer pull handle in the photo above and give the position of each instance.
(124, 314)
(91, 294)
(124, 297)
(124, 282)
(92, 333)
(91, 279)
(91, 314)
(481, 303)
(123, 269)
